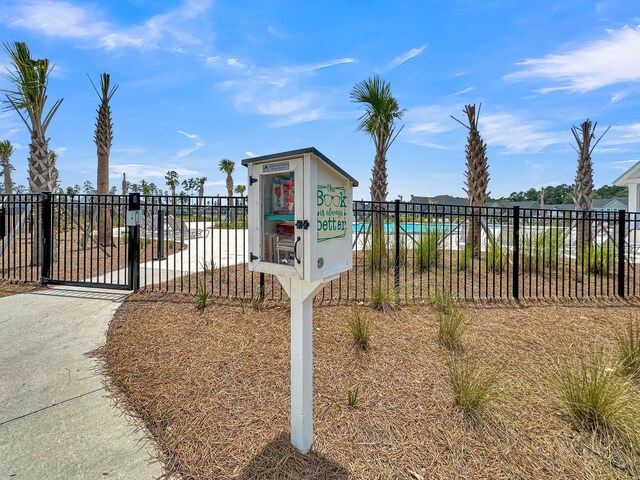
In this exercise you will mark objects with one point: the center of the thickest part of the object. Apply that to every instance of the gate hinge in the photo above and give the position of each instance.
(252, 257)
(302, 224)
(252, 180)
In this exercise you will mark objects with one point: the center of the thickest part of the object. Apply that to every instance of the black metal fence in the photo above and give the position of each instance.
(402, 250)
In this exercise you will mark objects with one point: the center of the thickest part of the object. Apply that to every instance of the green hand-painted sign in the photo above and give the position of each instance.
(332, 212)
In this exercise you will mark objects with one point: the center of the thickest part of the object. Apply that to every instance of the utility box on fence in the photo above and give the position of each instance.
(300, 230)
(300, 215)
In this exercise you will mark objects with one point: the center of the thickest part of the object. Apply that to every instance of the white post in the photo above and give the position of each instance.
(301, 366)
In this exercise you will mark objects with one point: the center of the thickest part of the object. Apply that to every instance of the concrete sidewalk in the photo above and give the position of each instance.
(56, 419)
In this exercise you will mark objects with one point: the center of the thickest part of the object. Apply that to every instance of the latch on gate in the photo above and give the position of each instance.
(252, 180)
(302, 224)
(252, 257)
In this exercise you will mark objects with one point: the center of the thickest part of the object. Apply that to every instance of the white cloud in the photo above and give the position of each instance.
(139, 171)
(400, 59)
(625, 134)
(517, 134)
(61, 19)
(185, 152)
(609, 61)
(250, 154)
(317, 66)
(261, 90)
(462, 92)
(620, 164)
(188, 135)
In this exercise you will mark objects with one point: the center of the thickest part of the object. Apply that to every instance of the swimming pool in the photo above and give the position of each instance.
(406, 227)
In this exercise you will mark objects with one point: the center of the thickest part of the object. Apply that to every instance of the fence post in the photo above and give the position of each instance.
(622, 220)
(134, 244)
(45, 242)
(396, 259)
(516, 252)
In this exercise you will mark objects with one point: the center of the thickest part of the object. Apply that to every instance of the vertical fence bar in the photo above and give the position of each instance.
(45, 222)
(396, 258)
(516, 252)
(622, 220)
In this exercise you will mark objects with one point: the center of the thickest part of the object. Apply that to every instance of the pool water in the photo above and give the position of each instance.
(405, 227)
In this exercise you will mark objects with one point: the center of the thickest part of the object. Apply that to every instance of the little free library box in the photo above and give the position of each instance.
(300, 215)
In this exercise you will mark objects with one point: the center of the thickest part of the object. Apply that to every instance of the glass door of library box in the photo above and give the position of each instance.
(281, 206)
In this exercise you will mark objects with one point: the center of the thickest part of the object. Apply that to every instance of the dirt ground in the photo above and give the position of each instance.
(212, 388)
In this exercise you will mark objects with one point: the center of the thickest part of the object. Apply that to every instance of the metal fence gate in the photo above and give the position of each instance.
(67, 240)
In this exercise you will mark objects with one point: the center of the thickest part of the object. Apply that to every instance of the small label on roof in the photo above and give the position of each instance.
(275, 167)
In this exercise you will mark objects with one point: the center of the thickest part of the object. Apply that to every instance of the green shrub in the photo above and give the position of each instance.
(597, 400)
(201, 296)
(352, 397)
(360, 328)
(442, 301)
(474, 386)
(451, 326)
(496, 256)
(628, 342)
(426, 253)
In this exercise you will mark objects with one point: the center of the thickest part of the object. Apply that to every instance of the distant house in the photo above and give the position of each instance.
(522, 204)
(439, 205)
(609, 204)
(631, 180)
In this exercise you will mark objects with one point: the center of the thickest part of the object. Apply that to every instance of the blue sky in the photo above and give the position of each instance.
(204, 80)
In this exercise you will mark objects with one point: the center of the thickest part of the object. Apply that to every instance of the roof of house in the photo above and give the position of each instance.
(521, 204)
(630, 176)
(296, 153)
(603, 202)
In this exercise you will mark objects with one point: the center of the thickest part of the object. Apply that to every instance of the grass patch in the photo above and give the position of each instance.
(443, 302)
(360, 328)
(628, 341)
(377, 253)
(496, 257)
(426, 252)
(597, 400)
(474, 386)
(383, 297)
(202, 296)
(598, 259)
(465, 258)
(451, 326)
(352, 397)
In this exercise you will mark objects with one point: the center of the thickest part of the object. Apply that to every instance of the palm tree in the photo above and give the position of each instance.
(583, 189)
(228, 166)
(53, 156)
(200, 182)
(477, 175)
(378, 121)
(171, 179)
(240, 189)
(6, 150)
(103, 137)
(28, 97)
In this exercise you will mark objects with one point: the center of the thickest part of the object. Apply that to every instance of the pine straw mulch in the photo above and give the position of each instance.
(212, 389)
(12, 288)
